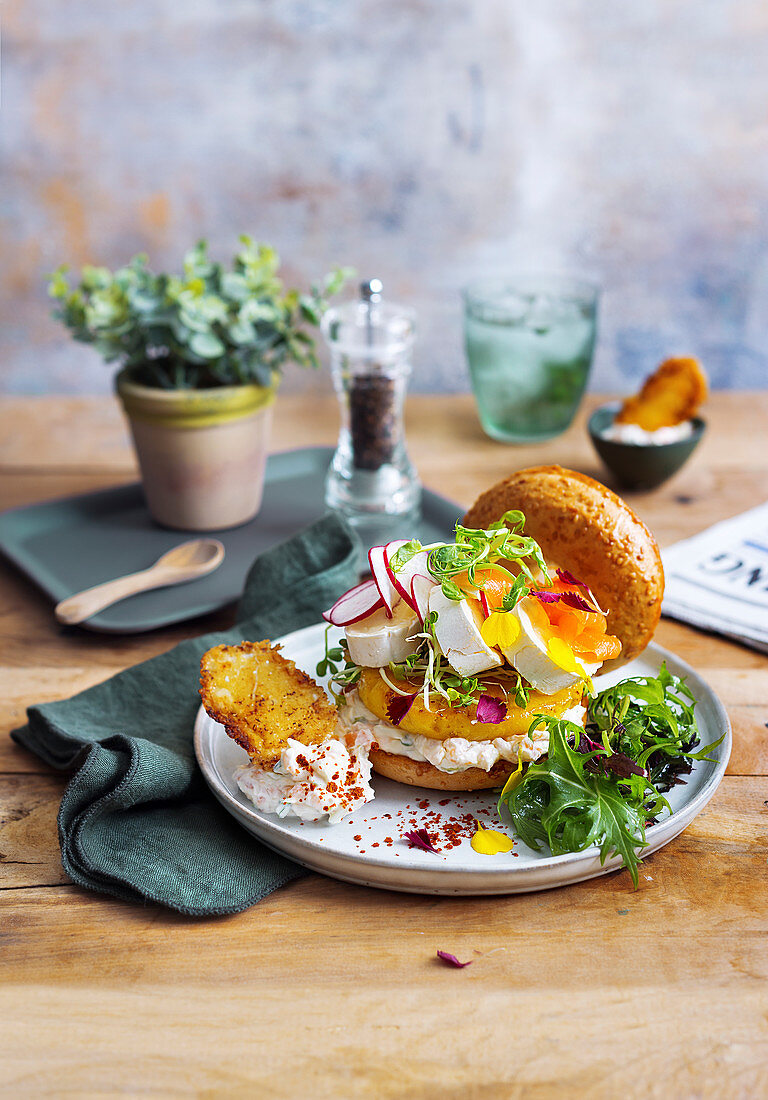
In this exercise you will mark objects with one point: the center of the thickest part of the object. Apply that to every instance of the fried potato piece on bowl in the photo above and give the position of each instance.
(671, 395)
(261, 699)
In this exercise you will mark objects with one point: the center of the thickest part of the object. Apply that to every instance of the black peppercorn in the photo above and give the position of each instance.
(372, 420)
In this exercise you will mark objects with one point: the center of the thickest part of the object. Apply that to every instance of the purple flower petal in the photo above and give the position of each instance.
(573, 599)
(420, 838)
(451, 960)
(568, 578)
(398, 707)
(490, 710)
(546, 597)
(570, 599)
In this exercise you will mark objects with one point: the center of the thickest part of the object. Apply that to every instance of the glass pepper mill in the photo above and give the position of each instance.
(371, 479)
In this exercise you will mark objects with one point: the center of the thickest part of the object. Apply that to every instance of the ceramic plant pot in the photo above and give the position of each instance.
(202, 453)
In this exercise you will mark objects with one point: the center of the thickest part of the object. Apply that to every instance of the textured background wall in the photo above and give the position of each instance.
(427, 141)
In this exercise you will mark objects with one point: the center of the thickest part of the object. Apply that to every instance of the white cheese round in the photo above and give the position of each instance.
(457, 630)
(376, 640)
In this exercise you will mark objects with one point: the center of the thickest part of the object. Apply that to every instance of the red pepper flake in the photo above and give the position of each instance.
(359, 836)
(451, 960)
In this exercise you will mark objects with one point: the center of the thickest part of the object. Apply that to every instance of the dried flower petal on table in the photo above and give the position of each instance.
(451, 960)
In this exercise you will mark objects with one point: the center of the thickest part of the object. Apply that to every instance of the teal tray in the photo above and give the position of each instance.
(67, 545)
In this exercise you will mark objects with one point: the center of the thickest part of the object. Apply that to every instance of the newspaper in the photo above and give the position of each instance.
(718, 580)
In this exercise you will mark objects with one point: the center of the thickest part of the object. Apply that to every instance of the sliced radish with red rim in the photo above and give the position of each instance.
(357, 604)
(403, 578)
(377, 560)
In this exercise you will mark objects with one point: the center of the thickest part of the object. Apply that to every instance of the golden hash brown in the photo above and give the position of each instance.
(261, 699)
(669, 396)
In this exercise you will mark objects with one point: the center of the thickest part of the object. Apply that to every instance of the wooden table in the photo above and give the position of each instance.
(329, 990)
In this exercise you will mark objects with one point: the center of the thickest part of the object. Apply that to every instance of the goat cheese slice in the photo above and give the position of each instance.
(528, 654)
(376, 640)
(457, 630)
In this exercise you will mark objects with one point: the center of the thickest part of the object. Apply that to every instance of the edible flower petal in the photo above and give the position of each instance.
(565, 658)
(420, 838)
(398, 707)
(568, 578)
(490, 710)
(451, 960)
(490, 842)
(501, 629)
(546, 597)
(573, 599)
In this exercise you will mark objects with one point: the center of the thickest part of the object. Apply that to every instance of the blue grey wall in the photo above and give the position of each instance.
(426, 141)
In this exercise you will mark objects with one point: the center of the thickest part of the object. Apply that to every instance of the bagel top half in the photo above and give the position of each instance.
(584, 527)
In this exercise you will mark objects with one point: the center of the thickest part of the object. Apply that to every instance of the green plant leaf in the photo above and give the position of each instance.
(210, 326)
(206, 345)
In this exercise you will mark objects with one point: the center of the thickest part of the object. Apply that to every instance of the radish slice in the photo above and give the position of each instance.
(399, 581)
(421, 586)
(484, 602)
(378, 562)
(403, 578)
(358, 603)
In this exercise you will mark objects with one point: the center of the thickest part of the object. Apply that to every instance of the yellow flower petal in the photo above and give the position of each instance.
(500, 628)
(509, 630)
(489, 630)
(490, 842)
(565, 658)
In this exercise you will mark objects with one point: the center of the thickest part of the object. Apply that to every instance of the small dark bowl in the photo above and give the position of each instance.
(641, 465)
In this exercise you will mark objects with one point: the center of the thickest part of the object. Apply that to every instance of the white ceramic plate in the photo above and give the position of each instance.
(367, 848)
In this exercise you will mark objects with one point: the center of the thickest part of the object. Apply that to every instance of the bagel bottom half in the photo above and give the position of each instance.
(419, 773)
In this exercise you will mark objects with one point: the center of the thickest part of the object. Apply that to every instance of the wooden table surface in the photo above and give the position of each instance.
(329, 990)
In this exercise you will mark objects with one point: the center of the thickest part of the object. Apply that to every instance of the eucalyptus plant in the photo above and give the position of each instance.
(211, 326)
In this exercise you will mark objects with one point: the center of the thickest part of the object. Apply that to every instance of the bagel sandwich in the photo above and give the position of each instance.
(452, 649)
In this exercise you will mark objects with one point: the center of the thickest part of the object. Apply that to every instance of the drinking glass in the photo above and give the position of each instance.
(529, 341)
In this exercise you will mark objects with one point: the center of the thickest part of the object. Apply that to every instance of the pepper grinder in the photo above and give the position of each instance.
(371, 479)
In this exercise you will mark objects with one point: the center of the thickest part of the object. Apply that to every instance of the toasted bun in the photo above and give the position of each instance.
(585, 528)
(418, 773)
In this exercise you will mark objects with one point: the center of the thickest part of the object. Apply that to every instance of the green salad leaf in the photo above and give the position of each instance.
(604, 784)
(558, 802)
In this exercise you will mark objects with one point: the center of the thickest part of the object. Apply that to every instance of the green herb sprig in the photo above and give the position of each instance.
(342, 676)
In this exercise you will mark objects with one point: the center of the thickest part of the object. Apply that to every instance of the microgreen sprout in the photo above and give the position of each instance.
(500, 542)
(341, 678)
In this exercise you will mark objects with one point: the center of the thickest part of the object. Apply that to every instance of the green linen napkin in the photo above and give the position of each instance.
(137, 820)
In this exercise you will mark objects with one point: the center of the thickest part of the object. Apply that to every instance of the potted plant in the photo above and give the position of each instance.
(201, 356)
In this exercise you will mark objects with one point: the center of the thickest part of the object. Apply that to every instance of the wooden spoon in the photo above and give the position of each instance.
(183, 563)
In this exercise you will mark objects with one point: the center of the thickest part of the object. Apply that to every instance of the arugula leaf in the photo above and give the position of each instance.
(558, 802)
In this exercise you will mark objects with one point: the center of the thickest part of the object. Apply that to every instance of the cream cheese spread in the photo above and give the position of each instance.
(312, 781)
(633, 433)
(455, 754)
